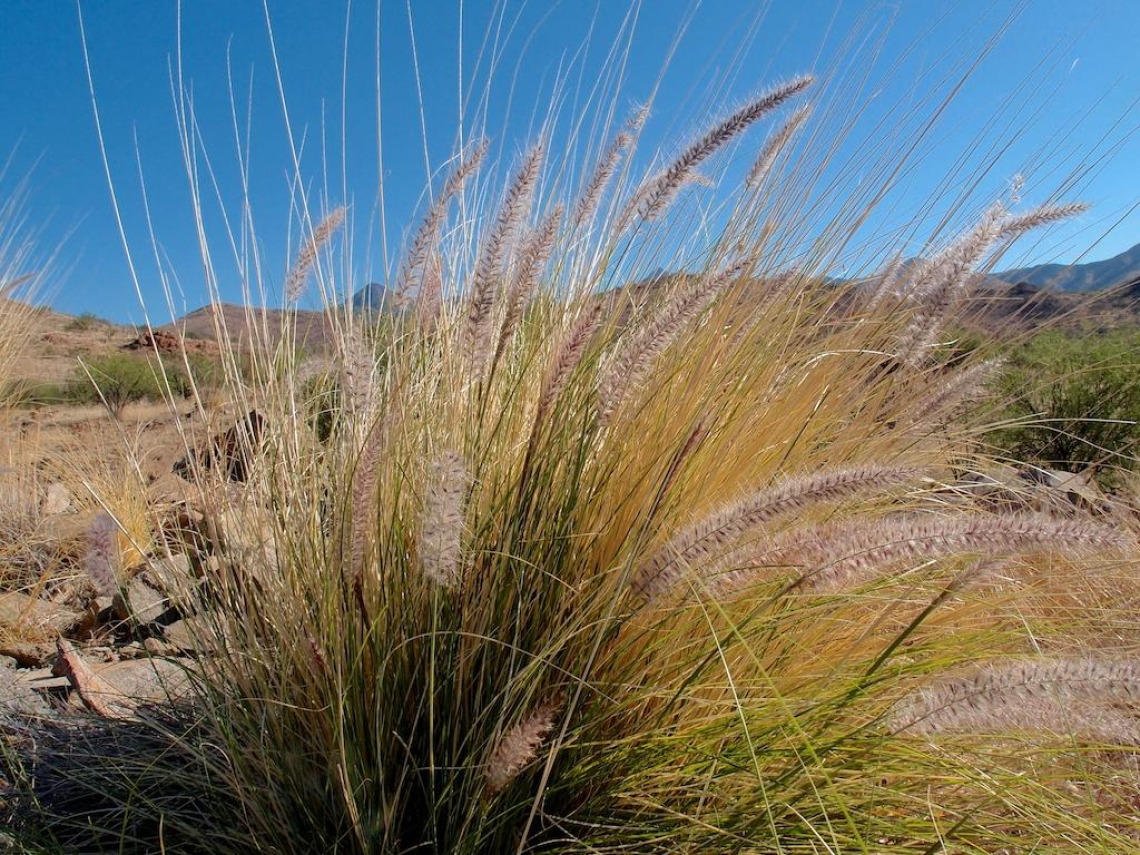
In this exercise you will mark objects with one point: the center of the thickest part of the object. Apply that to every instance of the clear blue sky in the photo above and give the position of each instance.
(1081, 55)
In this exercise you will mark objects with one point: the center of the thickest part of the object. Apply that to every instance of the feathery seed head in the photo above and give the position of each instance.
(518, 748)
(487, 277)
(1065, 696)
(420, 252)
(699, 545)
(299, 273)
(774, 146)
(441, 526)
(654, 196)
(102, 554)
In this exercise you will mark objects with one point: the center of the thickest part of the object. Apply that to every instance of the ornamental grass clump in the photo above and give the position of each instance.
(500, 607)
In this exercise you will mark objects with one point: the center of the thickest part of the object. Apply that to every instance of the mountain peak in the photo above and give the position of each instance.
(371, 296)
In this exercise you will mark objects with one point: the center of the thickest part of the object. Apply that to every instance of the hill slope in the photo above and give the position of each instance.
(1091, 276)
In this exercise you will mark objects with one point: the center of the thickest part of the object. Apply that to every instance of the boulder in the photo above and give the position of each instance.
(147, 680)
(117, 689)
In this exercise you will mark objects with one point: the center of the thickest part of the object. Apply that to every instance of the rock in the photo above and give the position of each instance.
(18, 698)
(9, 662)
(230, 452)
(98, 695)
(44, 681)
(31, 615)
(28, 655)
(56, 501)
(156, 647)
(147, 680)
(165, 341)
(246, 538)
(189, 635)
(134, 650)
(142, 602)
(174, 577)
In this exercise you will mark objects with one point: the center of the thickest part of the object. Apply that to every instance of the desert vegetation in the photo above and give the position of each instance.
(1072, 401)
(556, 555)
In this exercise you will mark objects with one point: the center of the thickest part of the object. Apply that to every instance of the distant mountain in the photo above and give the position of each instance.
(1091, 276)
(371, 296)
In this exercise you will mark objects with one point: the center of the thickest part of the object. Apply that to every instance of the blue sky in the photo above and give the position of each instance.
(1079, 58)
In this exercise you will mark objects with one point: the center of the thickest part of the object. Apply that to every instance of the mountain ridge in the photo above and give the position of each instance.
(1087, 276)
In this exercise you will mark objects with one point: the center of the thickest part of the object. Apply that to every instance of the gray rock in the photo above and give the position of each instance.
(174, 577)
(147, 680)
(17, 697)
(56, 501)
(189, 636)
(143, 603)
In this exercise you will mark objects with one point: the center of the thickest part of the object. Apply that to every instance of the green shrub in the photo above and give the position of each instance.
(115, 379)
(120, 378)
(86, 321)
(1076, 399)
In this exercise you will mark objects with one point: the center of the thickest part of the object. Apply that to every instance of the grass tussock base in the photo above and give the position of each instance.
(489, 613)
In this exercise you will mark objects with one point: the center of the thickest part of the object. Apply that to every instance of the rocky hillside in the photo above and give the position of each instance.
(1090, 276)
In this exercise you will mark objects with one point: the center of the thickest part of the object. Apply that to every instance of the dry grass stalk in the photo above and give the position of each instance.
(842, 555)
(533, 257)
(775, 144)
(422, 247)
(604, 170)
(298, 274)
(888, 281)
(651, 200)
(961, 388)
(102, 554)
(487, 277)
(628, 367)
(566, 357)
(441, 527)
(1065, 696)
(518, 748)
(704, 541)
(941, 282)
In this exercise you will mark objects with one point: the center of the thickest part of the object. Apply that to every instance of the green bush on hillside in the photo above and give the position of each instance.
(118, 379)
(1076, 400)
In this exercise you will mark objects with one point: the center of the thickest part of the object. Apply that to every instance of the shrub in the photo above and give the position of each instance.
(1075, 401)
(116, 379)
(83, 322)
